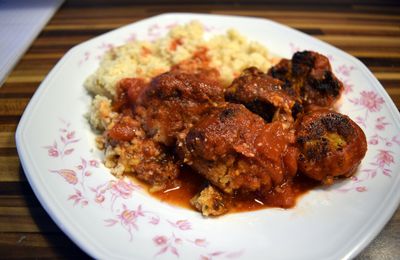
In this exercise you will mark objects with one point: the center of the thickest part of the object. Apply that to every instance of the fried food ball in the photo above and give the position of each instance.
(309, 76)
(330, 145)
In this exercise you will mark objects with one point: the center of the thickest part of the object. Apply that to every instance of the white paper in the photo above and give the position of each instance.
(20, 23)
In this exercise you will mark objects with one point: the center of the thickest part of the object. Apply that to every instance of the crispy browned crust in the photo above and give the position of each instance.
(309, 76)
(330, 145)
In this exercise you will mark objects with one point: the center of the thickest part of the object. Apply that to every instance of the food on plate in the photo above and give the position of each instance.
(210, 202)
(129, 148)
(212, 123)
(309, 76)
(263, 95)
(230, 53)
(173, 101)
(237, 151)
(330, 145)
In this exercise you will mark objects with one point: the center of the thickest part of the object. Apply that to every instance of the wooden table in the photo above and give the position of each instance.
(371, 33)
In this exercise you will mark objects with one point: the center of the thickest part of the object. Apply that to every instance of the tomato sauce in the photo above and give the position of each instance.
(192, 183)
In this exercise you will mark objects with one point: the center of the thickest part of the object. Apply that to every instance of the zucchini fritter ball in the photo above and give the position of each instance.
(330, 144)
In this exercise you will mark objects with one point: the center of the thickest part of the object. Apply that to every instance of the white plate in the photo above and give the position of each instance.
(111, 218)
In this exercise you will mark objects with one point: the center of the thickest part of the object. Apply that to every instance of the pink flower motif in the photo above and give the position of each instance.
(154, 32)
(70, 135)
(348, 87)
(160, 240)
(78, 198)
(345, 70)
(167, 244)
(361, 121)
(94, 163)
(380, 123)
(354, 178)
(171, 25)
(53, 152)
(371, 101)
(132, 37)
(106, 46)
(99, 198)
(128, 217)
(86, 56)
(68, 175)
(200, 242)
(374, 140)
(361, 189)
(154, 220)
(52, 149)
(67, 138)
(68, 151)
(181, 224)
(219, 254)
(384, 157)
(122, 188)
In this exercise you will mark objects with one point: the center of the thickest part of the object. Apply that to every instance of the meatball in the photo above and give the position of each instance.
(263, 95)
(330, 145)
(173, 102)
(309, 76)
(237, 151)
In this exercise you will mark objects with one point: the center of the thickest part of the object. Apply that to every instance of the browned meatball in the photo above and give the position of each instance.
(173, 102)
(330, 145)
(263, 95)
(237, 151)
(309, 75)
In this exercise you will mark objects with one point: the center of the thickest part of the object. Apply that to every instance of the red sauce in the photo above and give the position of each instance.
(192, 183)
(189, 182)
(124, 130)
(175, 43)
(145, 51)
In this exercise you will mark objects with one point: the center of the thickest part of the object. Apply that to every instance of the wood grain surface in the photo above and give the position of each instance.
(369, 32)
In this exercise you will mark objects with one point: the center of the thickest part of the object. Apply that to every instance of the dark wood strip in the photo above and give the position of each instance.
(7, 139)
(39, 246)
(16, 188)
(18, 201)
(16, 87)
(9, 119)
(390, 84)
(90, 32)
(13, 106)
(8, 151)
(26, 220)
(11, 170)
